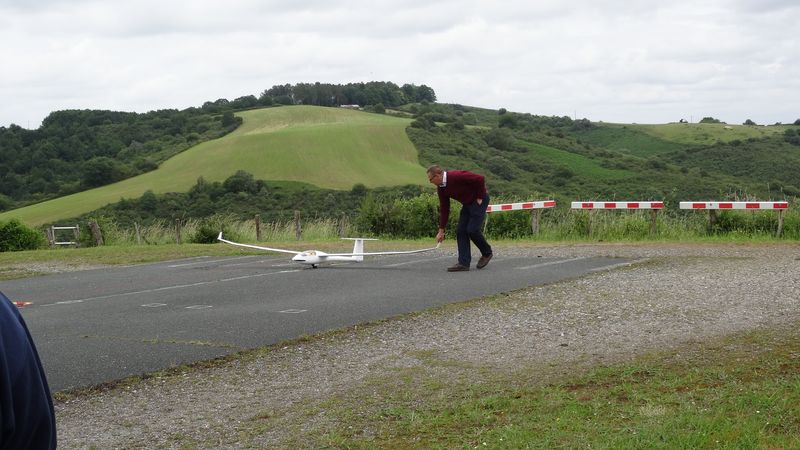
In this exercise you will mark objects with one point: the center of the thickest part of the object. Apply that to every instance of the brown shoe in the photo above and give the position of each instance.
(458, 268)
(484, 261)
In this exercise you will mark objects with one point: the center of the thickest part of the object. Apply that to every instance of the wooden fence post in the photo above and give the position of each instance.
(535, 214)
(780, 223)
(138, 233)
(258, 227)
(178, 231)
(653, 218)
(712, 219)
(297, 229)
(97, 235)
(51, 236)
(343, 225)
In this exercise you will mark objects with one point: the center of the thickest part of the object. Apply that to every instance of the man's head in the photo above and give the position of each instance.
(435, 175)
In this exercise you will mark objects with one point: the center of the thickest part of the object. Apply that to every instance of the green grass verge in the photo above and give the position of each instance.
(738, 392)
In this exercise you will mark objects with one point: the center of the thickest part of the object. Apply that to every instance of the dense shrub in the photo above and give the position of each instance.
(15, 236)
(510, 224)
(404, 218)
(418, 216)
(372, 216)
(209, 228)
(500, 138)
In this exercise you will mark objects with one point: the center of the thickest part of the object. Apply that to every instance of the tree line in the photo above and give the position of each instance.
(372, 93)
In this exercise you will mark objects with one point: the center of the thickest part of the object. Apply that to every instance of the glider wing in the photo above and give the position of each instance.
(386, 253)
(257, 247)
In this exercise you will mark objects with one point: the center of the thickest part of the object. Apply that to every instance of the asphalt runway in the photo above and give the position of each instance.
(96, 326)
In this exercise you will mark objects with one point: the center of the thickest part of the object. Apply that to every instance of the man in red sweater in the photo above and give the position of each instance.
(469, 189)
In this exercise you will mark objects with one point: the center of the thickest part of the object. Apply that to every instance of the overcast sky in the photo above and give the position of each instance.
(605, 60)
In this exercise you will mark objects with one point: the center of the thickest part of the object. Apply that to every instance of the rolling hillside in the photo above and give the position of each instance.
(326, 147)
(560, 157)
(522, 155)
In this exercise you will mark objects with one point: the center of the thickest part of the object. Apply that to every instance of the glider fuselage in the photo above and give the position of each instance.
(316, 257)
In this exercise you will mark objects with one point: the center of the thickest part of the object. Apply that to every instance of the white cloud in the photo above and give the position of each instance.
(610, 60)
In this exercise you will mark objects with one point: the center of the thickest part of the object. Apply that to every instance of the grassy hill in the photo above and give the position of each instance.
(326, 147)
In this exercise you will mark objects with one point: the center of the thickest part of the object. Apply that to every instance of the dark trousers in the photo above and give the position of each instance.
(470, 222)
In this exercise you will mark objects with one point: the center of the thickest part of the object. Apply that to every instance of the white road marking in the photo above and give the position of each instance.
(551, 263)
(265, 261)
(199, 307)
(67, 302)
(167, 288)
(611, 267)
(172, 266)
(417, 261)
(154, 305)
(293, 311)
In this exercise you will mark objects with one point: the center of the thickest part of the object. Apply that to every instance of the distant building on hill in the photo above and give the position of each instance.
(350, 106)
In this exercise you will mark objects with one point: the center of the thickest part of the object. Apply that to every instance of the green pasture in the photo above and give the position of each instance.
(327, 147)
(649, 139)
(627, 139)
(707, 133)
(579, 164)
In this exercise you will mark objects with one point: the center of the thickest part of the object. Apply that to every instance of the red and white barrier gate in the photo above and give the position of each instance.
(524, 205)
(653, 206)
(535, 208)
(712, 206)
(618, 205)
(734, 205)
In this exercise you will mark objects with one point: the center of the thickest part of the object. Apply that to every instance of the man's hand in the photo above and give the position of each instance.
(440, 235)
(479, 201)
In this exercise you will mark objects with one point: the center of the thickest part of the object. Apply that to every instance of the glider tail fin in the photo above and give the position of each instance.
(358, 247)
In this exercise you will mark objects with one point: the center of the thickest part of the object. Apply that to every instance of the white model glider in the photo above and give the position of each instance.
(316, 257)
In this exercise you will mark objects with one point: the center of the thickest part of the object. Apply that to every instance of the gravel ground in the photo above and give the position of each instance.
(673, 295)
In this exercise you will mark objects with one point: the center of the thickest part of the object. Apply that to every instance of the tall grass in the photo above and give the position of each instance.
(317, 229)
(635, 225)
(205, 231)
(558, 224)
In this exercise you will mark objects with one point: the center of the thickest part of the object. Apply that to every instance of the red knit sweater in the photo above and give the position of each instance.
(462, 185)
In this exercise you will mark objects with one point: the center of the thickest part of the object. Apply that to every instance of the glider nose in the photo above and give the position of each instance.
(300, 257)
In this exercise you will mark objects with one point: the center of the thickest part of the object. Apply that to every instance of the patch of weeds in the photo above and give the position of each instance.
(12, 273)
